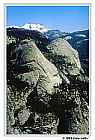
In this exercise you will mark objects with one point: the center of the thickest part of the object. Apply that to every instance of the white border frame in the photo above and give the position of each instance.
(90, 71)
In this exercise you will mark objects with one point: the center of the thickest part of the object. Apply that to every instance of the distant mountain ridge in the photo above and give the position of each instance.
(31, 26)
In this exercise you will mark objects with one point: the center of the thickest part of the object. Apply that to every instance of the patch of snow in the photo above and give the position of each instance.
(38, 27)
(13, 26)
(80, 35)
(68, 37)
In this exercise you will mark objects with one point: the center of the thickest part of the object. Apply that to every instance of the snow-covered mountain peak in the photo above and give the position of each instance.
(32, 26)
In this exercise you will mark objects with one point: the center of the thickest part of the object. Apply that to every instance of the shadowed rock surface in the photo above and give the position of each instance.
(47, 89)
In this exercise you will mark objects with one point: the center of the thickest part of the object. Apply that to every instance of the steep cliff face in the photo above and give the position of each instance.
(47, 88)
(40, 71)
(71, 97)
(64, 57)
(35, 77)
(79, 40)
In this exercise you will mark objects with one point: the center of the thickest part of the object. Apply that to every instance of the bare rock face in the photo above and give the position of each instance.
(65, 58)
(41, 72)
(47, 89)
(38, 77)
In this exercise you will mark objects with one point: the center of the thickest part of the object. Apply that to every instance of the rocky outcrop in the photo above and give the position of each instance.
(47, 88)
(38, 77)
(79, 40)
(40, 72)
(65, 58)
